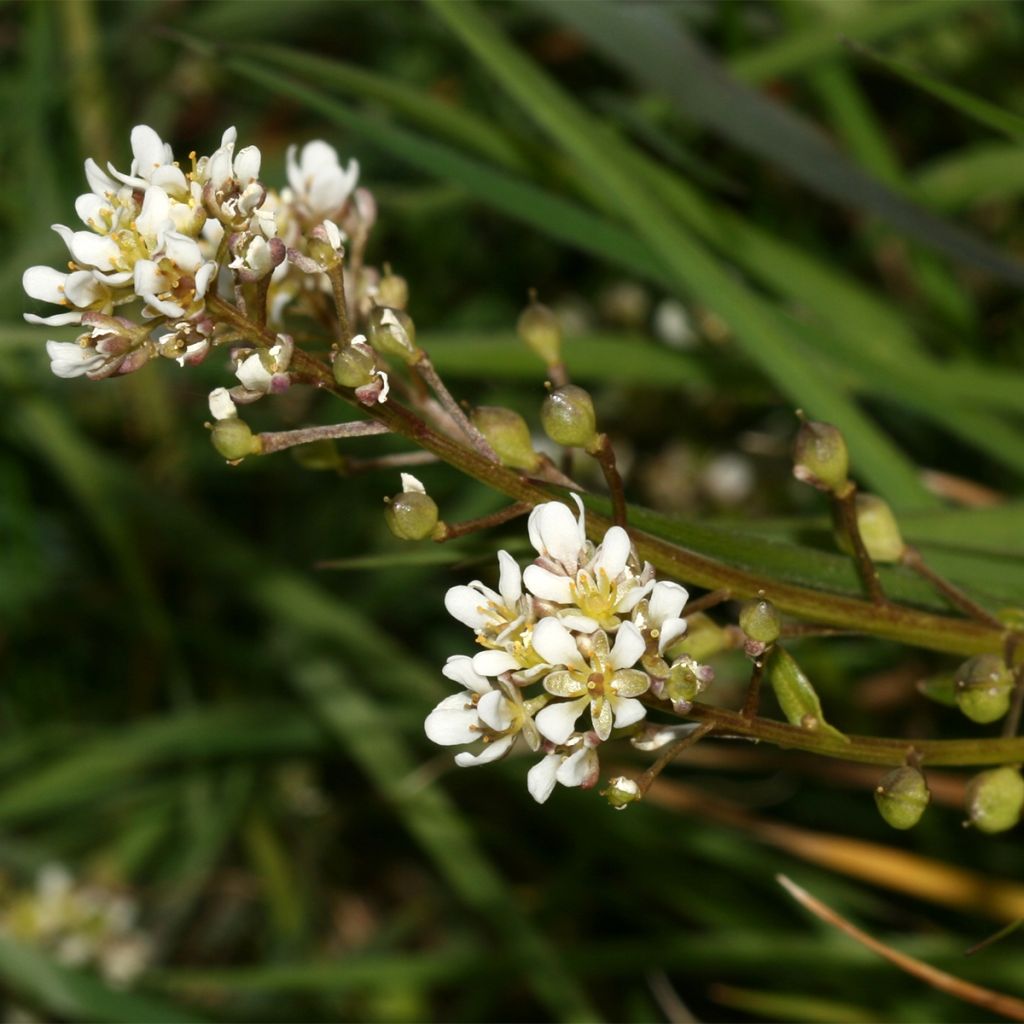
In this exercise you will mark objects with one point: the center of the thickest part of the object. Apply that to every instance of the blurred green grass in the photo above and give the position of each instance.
(191, 709)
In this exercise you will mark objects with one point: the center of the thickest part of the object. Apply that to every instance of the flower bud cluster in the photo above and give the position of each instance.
(569, 645)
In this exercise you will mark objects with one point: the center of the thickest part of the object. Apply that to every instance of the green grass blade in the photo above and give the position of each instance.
(988, 172)
(981, 111)
(442, 120)
(656, 51)
(696, 273)
(795, 51)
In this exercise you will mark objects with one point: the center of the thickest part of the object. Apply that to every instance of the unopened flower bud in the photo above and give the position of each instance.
(621, 792)
(233, 439)
(354, 365)
(995, 799)
(902, 797)
(411, 515)
(392, 333)
(538, 327)
(568, 418)
(983, 688)
(878, 529)
(508, 434)
(820, 457)
(760, 621)
(393, 290)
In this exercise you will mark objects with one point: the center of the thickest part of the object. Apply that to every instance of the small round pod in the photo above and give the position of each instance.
(355, 365)
(234, 440)
(995, 799)
(508, 434)
(878, 529)
(820, 457)
(393, 333)
(393, 290)
(759, 619)
(983, 688)
(538, 328)
(621, 792)
(902, 796)
(411, 515)
(568, 417)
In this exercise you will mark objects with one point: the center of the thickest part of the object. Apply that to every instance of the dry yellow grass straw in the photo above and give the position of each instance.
(909, 873)
(997, 1002)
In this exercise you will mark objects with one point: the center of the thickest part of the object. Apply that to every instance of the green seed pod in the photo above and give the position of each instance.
(995, 799)
(392, 333)
(507, 433)
(621, 792)
(820, 457)
(393, 291)
(796, 695)
(878, 530)
(983, 688)
(233, 439)
(411, 515)
(538, 327)
(760, 621)
(902, 797)
(354, 365)
(687, 679)
(568, 418)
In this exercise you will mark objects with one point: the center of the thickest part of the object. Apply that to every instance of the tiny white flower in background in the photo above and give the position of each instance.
(320, 185)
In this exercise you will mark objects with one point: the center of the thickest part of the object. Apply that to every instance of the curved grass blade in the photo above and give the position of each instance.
(657, 51)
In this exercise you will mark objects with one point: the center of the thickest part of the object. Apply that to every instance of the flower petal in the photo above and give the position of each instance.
(557, 722)
(579, 768)
(555, 533)
(540, 779)
(564, 684)
(601, 718)
(45, 284)
(493, 663)
(547, 586)
(254, 375)
(68, 359)
(628, 648)
(510, 579)
(671, 631)
(453, 721)
(630, 682)
(613, 553)
(667, 601)
(148, 149)
(494, 711)
(459, 668)
(628, 711)
(555, 644)
(491, 752)
(468, 606)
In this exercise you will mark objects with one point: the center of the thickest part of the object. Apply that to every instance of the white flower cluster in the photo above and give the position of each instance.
(159, 240)
(585, 626)
(79, 924)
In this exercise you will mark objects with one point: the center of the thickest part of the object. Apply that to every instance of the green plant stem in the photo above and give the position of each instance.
(451, 531)
(275, 441)
(844, 504)
(671, 753)
(605, 455)
(864, 749)
(912, 560)
(893, 621)
(337, 278)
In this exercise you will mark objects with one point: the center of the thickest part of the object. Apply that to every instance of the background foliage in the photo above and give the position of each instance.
(193, 712)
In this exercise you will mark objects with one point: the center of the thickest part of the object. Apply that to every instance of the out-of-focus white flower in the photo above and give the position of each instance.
(69, 359)
(321, 186)
(595, 675)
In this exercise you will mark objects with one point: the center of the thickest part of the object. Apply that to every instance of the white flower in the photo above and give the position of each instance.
(221, 405)
(320, 184)
(495, 714)
(660, 616)
(595, 675)
(69, 359)
(598, 585)
(576, 766)
(264, 371)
